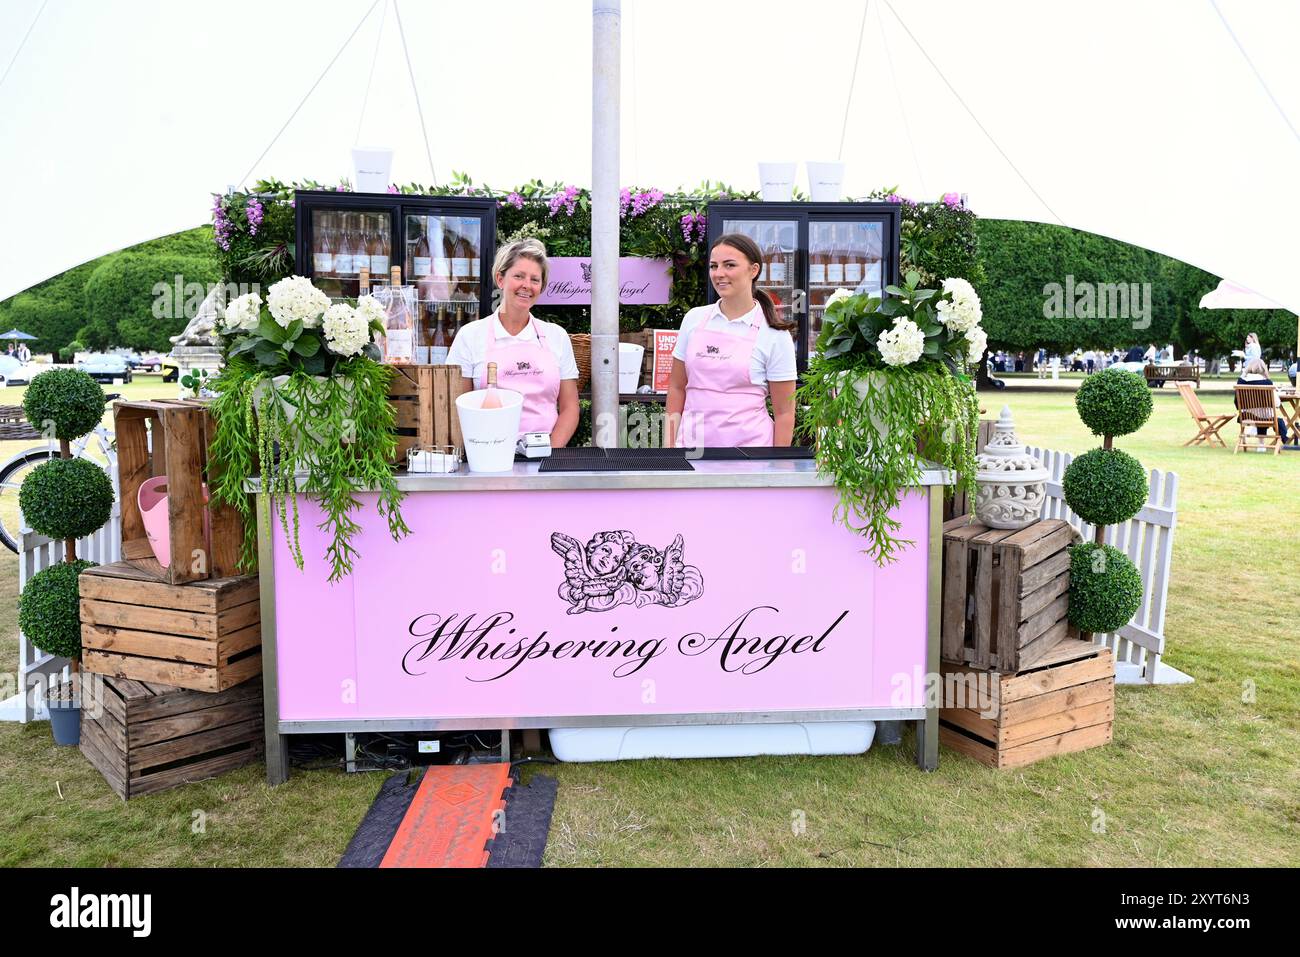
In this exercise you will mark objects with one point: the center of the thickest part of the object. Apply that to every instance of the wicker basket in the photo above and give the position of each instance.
(14, 424)
(582, 355)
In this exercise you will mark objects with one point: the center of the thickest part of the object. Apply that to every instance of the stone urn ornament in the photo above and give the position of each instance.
(1011, 484)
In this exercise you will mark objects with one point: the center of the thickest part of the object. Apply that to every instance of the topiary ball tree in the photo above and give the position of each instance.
(49, 610)
(1105, 588)
(66, 498)
(1114, 402)
(1105, 486)
(68, 399)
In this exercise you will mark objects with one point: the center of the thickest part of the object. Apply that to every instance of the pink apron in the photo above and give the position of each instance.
(723, 407)
(531, 369)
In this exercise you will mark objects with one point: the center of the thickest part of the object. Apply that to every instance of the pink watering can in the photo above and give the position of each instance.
(152, 499)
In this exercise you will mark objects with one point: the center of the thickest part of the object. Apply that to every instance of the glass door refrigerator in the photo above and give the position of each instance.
(811, 249)
(444, 246)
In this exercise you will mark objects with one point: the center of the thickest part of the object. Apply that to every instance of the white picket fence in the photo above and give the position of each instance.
(1148, 539)
(38, 553)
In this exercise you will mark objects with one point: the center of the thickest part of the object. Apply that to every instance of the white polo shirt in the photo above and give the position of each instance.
(469, 348)
(773, 358)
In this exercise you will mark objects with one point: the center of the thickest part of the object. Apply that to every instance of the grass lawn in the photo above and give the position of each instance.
(1201, 774)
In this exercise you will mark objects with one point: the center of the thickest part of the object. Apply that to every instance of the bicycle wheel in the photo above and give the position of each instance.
(11, 479)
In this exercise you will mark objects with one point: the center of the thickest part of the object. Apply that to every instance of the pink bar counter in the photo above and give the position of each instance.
(523, 600)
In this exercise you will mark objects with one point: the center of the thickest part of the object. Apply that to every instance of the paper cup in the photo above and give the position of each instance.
(372, 169)
(825, 181)
(490, 434)
(776, 181)
(629, 366)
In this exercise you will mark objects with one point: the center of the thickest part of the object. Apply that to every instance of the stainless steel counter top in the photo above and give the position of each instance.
(777, 473)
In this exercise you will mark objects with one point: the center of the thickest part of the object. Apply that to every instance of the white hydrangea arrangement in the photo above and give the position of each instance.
(296, 300)
(908, 326)
(902, 344)
(299, 329)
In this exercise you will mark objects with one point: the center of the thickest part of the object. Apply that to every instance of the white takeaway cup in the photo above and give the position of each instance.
(490, 435)
(372, 169)
(776, 181)
(629, 366)
(825, 181)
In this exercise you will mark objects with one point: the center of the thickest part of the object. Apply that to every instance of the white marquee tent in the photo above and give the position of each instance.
(1172, 125)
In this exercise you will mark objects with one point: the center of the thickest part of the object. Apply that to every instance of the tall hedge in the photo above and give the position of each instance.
(120, 298)
(55, 309)
(1020, 259)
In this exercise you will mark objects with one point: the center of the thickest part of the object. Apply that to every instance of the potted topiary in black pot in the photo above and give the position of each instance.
(64, 498)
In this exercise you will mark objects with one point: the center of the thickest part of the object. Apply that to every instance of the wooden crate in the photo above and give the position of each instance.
(172, 439)
(150, 737)
(1006, 594)
(424, 400)
(1054, 709)
(206, 636)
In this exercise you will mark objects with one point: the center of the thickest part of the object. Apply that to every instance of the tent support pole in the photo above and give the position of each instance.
(605, 39)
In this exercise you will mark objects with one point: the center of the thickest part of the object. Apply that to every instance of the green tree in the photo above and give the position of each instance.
(123, 308)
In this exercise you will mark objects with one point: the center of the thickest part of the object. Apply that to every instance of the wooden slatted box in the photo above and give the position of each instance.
(424, 401)
(172, 438)
(151, 737)
(206, 636)
(1019, 719)
(1006, 594)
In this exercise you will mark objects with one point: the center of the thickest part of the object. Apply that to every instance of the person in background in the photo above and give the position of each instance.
(1294, 370)
(11, 348)
(1090, 362)
(730, 355)
(1020, 362)
(1256, 373)
(533, 358)
(1150, 355)
(1252, 348)
(24, 354)
(1041, 366)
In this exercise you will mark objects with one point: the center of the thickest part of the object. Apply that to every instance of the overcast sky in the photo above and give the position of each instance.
(1141, 120)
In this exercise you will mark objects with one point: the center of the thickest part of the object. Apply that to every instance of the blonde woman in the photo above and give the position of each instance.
(533, 357)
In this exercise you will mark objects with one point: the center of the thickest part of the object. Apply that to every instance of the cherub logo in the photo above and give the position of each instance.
(615, 569)
(586, 271)
(711, 350)
(523, 366)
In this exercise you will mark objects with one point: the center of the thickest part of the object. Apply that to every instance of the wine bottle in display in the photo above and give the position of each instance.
(399, 322)
(325, 242)
(472, 237)
(776, 259)
(853, 256)
(364, 285)
(421, 257)
(835, 262)
(379, 258)
(762, 278)
(439, 344)
(460, 262)
(492, 400)
(343, 255)
(440, 244)
(817, 255)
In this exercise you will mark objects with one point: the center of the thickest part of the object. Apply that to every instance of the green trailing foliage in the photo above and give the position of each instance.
(49, 610)
(910, 406)
(66, 498)
(1105, 588)
(68, 398)
(1114, 402)
(1105, 486)
(340, 443)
